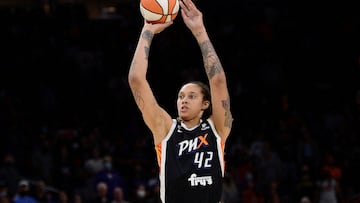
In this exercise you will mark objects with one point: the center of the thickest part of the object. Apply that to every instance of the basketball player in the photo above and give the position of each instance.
(190, 148)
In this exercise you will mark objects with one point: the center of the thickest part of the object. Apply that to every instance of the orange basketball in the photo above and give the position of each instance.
(159, 11)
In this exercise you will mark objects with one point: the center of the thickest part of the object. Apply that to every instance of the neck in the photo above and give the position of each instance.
(191, 123)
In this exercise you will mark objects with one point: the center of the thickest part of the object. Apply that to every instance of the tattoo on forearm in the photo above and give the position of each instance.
(228, 115)
(198, 34)
(147, 50)
(148, 36)
(211, 60)
(138, 99)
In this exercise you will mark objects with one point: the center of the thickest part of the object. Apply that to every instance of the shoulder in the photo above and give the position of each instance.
(222, 129)
(174, 123)
(172, 126)
(210, 122)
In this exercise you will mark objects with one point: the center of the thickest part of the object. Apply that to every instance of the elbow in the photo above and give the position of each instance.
(219, 79)
(134, 79)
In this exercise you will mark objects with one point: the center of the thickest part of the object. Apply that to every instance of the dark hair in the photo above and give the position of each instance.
(205, 90)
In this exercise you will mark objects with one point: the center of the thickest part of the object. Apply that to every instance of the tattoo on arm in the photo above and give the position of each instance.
(228, 115)
(138, 99)
(148, 36)
(147, 50)
(198, 34)
(211, 60)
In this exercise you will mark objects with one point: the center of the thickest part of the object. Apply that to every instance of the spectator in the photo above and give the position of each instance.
(230, 190)
(94, 163)
(141, 193)
(77, 198)
(4, 196)
(63, 197)
(23, 195)
(9, 172)
(327, 188)
(118, 196)
(101, 194)
(110, 176)
(305, 199)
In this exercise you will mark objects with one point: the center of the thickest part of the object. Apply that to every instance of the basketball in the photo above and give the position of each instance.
(159, 11)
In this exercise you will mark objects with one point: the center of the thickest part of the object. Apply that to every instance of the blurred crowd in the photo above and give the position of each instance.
(71, 133)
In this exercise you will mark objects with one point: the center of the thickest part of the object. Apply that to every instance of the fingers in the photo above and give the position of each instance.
(182, 5)
(187, 7)
(184, 9)
(188, 3)
(167, 24)
(157, 27)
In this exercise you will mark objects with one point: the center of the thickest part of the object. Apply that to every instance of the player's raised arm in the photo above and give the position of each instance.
(154, 116)
(221, 114)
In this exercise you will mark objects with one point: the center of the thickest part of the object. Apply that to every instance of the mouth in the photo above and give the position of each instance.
(183, 108)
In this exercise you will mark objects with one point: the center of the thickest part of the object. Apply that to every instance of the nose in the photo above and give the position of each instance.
(184, 100)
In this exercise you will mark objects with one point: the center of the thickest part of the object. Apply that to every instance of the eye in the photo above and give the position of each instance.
(192, 96)
(181, 96)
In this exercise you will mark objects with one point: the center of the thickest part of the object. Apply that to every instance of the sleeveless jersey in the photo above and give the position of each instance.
(191, 164)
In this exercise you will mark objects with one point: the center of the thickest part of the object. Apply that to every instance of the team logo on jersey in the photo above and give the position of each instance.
(204, 126)
(179, 129)
(193, 144)
(202, 180)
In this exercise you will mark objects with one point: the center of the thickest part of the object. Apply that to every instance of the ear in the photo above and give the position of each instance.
(205, 105)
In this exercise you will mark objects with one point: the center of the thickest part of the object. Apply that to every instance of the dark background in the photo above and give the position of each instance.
(291, 65)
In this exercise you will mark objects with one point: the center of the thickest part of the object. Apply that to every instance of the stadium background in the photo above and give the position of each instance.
(293, 74)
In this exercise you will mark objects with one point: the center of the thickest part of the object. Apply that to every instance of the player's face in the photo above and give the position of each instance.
(190, 102)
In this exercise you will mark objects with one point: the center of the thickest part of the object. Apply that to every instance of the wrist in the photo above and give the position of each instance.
(200, 34)
(147, 35)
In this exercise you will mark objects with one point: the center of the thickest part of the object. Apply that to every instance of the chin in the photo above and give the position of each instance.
(183, 118)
